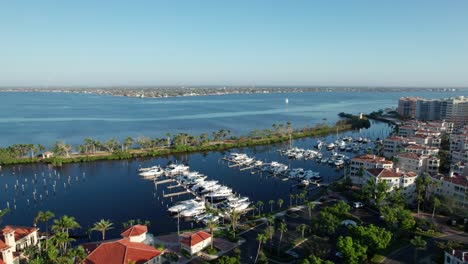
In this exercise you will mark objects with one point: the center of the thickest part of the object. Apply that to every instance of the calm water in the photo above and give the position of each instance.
(113, 190)
(46, 117)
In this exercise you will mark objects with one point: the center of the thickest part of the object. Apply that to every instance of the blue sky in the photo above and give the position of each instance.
(100, 43)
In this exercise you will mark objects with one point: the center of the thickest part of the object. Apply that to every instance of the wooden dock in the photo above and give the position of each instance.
(164, 181)
(175, 194)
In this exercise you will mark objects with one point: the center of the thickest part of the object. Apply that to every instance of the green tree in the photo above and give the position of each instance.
(302, 228)
(418, 244)
(234, 218)
(64, 224)
(261, 238)
(310, 207)
(102, 226)
(128, 142)
(3, 213)
(375, 238)
(44, 217)
(436, 203)
(283, 228)
(271, 202)
(259, 206)
(280, 203)
(352, 251)
(211, 225)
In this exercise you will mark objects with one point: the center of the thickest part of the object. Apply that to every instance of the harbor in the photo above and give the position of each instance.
(73, 189)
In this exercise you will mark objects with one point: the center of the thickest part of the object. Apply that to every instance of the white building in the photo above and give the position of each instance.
(363, 162)
(394, 145)
(195, 242)
(395, 178)
(453, 185)
(15, 239)
(421, 150)
(418, 163)
(456, 257)
(426, 140)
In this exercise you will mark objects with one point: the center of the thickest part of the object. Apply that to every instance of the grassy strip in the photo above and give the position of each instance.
(211, 146)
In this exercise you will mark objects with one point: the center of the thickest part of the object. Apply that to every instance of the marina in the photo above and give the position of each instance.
(125, 194)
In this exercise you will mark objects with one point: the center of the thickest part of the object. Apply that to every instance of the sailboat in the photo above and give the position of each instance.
(286, 101)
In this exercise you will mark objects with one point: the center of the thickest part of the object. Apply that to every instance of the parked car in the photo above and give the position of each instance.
(358, 204)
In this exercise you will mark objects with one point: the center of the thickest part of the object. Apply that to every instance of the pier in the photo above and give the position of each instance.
(175, 194)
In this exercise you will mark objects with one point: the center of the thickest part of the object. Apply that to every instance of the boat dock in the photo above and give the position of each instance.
(175, 194)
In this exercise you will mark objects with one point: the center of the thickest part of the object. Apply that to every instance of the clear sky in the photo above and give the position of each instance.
(349, 42)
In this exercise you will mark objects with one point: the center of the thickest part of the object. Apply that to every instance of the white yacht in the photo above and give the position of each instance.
(176, 168)
(184, 205)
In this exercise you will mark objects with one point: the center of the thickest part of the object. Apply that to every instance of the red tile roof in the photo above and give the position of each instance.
(371, 159)
(194, 238)
(122, 251)
(456, 179)
(3, 245)
(391, 173)
(135, 230)
(20, 232)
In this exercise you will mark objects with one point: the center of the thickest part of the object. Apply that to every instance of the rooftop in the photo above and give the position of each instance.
(120, 251)
(191, 239)
(135, 230)
(371, 159)
(455, 179)
(391, 173)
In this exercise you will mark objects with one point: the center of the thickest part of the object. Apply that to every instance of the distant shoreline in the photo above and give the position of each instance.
(167, 92)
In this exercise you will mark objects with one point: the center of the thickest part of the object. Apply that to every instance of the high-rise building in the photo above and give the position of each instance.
(453, 109)
(407, 107)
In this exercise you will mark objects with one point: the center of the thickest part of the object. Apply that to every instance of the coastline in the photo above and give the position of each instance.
(172, 92)
(219, 145)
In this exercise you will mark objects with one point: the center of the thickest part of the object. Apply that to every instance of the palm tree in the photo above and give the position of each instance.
(259, 206)
(234, 218)
(64, 224)
(61, 240)
(280, 203)
(44, 217)
(436, 202)
(261, 238)
(302, 228)
(310, 206)
(283, 228)
(3, 213)
(271, 202)
(102, 226)
(418, 243)
(270, 220)
(128, 142)
(211, 225)
(78, 253)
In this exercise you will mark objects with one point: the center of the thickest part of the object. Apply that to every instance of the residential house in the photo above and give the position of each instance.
(195, 242)
(418, 163)
(135, 246)
(395, 179)
(14, 240)
(362, 162)
(394, 145)
(453, 185)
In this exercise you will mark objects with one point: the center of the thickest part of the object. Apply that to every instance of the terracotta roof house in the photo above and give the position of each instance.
(13, 240)
(195, 242)
(394, 178)
(133, 247)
